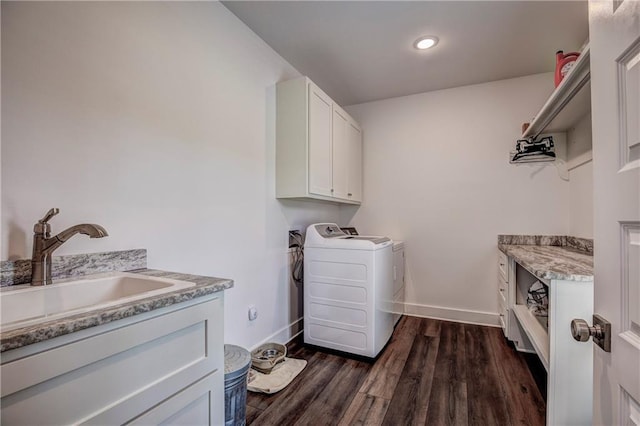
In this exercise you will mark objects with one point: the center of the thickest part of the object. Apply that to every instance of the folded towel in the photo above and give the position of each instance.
(281, 375)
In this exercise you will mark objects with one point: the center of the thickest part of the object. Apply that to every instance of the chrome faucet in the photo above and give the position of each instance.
(44, 245)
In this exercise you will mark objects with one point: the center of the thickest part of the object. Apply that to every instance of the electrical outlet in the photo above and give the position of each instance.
(253, 313)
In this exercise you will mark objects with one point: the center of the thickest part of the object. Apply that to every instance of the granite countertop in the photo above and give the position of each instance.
(550, 262)
(27, 335)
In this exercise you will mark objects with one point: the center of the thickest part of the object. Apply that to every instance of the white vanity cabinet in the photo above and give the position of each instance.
(163, 366)
(568, 362)
(318, 146)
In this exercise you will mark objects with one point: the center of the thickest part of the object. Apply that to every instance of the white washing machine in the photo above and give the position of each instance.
(398, 280)
(348, 290)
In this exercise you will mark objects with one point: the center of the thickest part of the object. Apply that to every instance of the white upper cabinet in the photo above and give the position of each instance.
(320, 158)
(354, 174)
(318, 146)
(340, 153)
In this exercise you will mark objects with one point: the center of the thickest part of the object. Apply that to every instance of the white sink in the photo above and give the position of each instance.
(32, 305)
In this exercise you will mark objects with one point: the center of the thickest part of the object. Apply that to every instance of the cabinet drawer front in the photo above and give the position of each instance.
(503, 289)
(503, 323)
(111, 377)
(503, 265)
(503, 312)
(502, 298)
(502, 303)
(199, 404)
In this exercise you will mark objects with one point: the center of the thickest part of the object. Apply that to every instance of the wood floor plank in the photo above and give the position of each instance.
(333, 400)
(432, 327)
(486, 402)
(365, 410)
(252, 414)
(383, 377)
(259, 401)
(286, 407)
(448, 399)
(296, 346)
(526, 403)
(295, 350)
(410, 399)
(433, 372)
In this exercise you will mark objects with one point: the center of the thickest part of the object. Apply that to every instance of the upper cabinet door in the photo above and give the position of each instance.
(354, 168)
(340, 153)
(320, 111)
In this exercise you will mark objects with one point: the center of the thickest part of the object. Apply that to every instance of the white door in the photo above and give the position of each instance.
(614, 28)
(354, 180)
(320, 112)
(340, 146)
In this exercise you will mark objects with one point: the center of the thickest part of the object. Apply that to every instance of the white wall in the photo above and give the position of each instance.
(436, 174)
(155, 120)
(581, 201)
(580, 179)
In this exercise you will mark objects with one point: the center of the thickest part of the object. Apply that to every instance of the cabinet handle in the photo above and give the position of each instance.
(331, 189)
(350, 194)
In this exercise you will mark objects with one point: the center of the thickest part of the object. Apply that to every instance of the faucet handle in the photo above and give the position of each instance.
(51, 213)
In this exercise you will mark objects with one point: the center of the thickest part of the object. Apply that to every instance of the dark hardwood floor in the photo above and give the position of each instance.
(431, 372)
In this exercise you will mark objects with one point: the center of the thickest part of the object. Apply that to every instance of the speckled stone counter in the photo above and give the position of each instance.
(580, 244)
(19, 337)
(552, 262)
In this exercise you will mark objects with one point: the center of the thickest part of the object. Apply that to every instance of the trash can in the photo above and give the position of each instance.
(237, 361)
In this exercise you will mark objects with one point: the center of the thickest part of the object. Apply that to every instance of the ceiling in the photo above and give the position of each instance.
(361, 51)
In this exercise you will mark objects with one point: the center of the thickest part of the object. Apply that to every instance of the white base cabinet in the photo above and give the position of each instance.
(164, 366)
(568, 362)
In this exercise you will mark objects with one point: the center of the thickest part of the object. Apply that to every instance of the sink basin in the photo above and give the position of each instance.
(31, 305)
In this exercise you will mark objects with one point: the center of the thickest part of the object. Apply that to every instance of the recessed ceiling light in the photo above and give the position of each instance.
(425, 42)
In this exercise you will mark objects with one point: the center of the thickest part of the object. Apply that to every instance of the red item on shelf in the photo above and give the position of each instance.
(564, 63)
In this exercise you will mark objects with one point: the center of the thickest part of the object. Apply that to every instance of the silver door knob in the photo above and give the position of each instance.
(601, 331)
(581, 331)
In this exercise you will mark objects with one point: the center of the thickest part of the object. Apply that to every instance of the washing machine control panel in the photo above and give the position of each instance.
(329, 231)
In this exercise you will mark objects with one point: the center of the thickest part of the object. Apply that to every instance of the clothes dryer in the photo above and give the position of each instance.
(348, 290)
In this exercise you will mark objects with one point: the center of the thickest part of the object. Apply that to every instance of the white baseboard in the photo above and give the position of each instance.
(490, 319)
(285, 334)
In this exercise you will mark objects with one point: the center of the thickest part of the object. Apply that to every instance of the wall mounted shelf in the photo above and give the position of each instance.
(569, 102)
